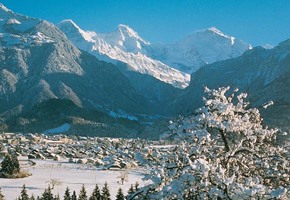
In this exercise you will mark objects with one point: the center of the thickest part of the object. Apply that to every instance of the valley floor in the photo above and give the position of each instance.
(67, 175)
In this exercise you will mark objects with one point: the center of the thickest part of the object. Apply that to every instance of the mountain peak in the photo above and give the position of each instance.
(69, 22)
(69, 27)
(126, 31)
(2, 7)
(216, 31)
(267, 46)
(124, 26)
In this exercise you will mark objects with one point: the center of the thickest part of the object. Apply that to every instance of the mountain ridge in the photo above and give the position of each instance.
(262, 73)
(42, 65)
(112, 48)
(186, 56)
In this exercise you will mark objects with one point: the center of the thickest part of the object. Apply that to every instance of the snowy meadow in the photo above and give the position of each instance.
(70, 175)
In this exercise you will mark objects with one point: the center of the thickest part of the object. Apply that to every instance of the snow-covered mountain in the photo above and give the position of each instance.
(187, 56)
(39, 64)
(15, 29)
(262, 73)
(123, 45)
(44, 73)
(200, 48)
(126, 39)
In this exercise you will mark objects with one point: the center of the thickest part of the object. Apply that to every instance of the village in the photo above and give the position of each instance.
(103, 153)
(64, 161)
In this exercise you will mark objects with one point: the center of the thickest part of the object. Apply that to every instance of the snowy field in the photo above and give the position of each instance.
(69, 175)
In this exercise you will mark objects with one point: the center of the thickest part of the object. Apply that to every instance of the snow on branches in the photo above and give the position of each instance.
(222, 152)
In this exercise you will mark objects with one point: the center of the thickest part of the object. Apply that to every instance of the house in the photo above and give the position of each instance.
(4, 152)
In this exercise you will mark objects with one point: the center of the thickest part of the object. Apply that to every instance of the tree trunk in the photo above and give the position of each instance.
(222, 132)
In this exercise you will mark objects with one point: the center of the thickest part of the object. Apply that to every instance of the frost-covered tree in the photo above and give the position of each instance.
(1, 195)
(96, 195)
(123, 177)
(223, 152)
(106, 192)
(54, 182)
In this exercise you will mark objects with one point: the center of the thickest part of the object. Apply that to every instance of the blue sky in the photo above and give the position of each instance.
(166, 21)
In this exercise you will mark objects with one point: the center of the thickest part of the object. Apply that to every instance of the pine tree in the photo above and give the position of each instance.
(67, 194)
(23, 195)
(47, 194)
(96, 195)
(136, 186)
(131, 190)
(105, 192)
(32, 197)
(83, 194)
(57, 197)
(74, 196)
(15, 163)
(120, 195)
(9, 166)
(146, 196)
(1, 195)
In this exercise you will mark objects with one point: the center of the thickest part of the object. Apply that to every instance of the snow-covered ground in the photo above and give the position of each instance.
(61, 129)
(69, 175)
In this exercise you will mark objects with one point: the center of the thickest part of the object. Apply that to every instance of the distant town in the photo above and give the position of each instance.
(105, 153)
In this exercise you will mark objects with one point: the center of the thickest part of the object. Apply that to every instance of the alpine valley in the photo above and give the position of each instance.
(61, 78)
